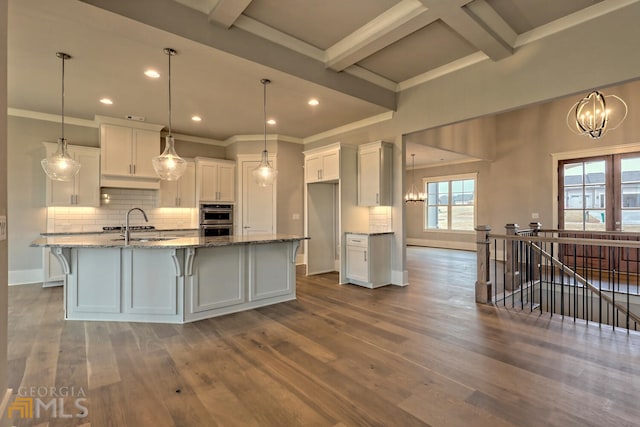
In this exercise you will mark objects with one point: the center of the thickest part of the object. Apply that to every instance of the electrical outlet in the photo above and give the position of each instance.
(535, 215)
(3, 227)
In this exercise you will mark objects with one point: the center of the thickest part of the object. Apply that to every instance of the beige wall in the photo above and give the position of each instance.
(3, 204)
(290, 188)
(26, 179)
(188, 149)
(520, 181)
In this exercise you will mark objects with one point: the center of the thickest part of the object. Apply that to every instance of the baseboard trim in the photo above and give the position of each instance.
(399, 278)
(4, 403)
(24, 277)
(444, 244)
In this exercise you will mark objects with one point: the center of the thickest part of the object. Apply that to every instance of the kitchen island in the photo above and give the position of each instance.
(172, 280)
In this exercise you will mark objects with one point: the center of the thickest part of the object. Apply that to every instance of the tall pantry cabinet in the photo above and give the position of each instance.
(331, 207)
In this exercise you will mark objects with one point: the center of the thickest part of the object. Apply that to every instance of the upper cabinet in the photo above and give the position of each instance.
(180, 193)
(322, 164)
(375, 174)
(215, 180)
(126, 153)
(84, 190)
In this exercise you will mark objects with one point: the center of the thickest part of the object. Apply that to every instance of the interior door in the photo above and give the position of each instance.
(257, 203)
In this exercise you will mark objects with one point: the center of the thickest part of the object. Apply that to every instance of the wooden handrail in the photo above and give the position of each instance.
(570, 241)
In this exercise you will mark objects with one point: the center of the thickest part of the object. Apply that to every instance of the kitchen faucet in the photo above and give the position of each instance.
(127, 233)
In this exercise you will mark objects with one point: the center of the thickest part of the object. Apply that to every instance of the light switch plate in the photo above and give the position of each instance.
(3, 227)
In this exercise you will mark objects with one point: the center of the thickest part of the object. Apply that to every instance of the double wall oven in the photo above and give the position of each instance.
(216, 219)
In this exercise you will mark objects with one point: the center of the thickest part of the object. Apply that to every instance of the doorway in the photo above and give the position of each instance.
(257, 209)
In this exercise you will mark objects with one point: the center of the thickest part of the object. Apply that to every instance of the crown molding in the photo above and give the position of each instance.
(56, 118)
(349, 127)
(196, 139)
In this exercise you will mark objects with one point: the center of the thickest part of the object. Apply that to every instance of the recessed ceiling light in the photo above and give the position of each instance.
(106, 101)
(271, 122)
(152, 74)
(313, 102)
(196, 118)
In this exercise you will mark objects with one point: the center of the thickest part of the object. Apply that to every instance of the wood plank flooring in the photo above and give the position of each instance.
(423, 355)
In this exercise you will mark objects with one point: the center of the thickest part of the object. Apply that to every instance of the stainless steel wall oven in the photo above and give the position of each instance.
(216, 219)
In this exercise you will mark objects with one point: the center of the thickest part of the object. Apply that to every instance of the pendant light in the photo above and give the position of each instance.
(413, 195)
(596, 114)
(60, 166)
(168, 165)
(265, 174)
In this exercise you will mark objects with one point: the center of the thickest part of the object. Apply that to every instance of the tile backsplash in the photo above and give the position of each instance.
(380, 219)
(114, 204)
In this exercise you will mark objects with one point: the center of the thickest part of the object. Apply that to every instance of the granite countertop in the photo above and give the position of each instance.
(99, 232)
(108, 240)
(373, 233)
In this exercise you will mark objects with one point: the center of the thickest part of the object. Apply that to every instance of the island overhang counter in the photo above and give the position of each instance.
(174, 280)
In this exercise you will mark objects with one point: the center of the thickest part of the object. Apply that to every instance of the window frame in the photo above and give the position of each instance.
(449, 178)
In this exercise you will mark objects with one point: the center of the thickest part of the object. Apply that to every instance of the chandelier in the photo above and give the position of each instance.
(413, 195)
(596, 114)
(265, 174)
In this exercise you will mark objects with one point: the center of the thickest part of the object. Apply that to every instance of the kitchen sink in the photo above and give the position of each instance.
(144, 239)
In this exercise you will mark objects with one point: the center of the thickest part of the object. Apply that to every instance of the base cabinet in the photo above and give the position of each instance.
(368, 259)
(166, 285)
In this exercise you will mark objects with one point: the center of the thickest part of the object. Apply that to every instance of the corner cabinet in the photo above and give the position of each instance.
(215, 180)
(368, 259)
(84, 189)
(322, 165)
(180, 193)
(375, 174)
(126, 153)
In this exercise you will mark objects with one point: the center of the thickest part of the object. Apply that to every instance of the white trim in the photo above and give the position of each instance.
(25, 277)
(449, 178)
(56, 118)
(260, 137)
(456, 65)
(350, 127)
(580, 17)
(371, 77)
(444, 244)
(400, 277)
(197, 139)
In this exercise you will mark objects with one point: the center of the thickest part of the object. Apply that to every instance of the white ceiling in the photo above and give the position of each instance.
(354, 56)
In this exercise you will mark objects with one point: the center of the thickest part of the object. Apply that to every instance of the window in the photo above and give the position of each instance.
(451, 203)
(600, 193)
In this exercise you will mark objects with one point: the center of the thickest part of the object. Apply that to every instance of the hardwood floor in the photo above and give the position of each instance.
(421, 355)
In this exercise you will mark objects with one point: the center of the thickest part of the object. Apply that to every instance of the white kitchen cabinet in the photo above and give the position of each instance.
(375, 174)
(84, 189)
(368, 261)
(215, 180)
(322, 164)
(125, 156)
(180, 193)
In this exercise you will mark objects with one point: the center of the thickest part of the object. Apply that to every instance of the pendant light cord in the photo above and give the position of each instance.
(62, 109)
(169, 55)
(265, 82)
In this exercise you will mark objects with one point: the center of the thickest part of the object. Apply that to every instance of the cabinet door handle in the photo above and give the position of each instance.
(318, 173)
(75, 199)
(365, 256)
(377, 197)
(134, 169)
(71, 199)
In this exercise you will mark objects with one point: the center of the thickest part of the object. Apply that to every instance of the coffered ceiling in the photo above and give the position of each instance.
(354, 56)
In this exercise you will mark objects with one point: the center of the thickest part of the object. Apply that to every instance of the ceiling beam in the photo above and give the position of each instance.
(183, 21)
(226, 12)
(387, 28)
(477, 34)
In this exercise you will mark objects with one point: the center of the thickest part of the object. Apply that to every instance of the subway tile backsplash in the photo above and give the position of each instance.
(380, 219)
(115, 202)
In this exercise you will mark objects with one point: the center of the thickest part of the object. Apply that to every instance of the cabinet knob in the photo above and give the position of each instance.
(365, 256)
